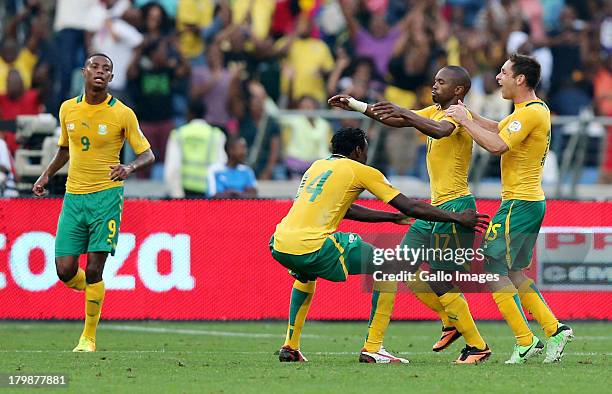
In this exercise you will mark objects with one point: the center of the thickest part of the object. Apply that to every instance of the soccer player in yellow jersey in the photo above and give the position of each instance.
(94, 127)
(306, 241)
(522, 139)
(449, 152)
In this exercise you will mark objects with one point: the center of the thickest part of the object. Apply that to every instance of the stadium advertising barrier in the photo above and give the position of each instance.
(210, 260)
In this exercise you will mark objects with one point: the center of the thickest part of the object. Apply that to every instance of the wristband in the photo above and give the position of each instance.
(357, 105)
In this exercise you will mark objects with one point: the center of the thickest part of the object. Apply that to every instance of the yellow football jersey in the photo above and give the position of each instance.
(192, 12)
(308, 57)
(448, 159)
(526, 131)
(326, 192)
(94, 135)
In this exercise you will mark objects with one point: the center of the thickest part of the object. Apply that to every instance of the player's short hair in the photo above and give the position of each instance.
(99, 54)
(460, 76)
(347, 139)
(197, 108)
(528, 66)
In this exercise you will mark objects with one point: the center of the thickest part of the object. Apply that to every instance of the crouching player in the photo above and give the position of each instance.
(306, 241)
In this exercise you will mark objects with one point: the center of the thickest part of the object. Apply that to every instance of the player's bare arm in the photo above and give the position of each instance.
(362, 214)
(121, 172)
(346, 102)
(395, 116)
(348, 11)
(492, 142)
(421, 210)
(486, 123)
(384, 110)
(59, 160)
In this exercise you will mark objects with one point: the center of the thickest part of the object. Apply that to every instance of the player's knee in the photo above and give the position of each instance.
(93, 273)
(65, 272)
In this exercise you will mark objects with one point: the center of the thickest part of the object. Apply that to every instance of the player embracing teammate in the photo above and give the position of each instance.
(522, 139)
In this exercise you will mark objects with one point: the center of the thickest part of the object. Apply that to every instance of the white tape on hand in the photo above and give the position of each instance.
(357, 105)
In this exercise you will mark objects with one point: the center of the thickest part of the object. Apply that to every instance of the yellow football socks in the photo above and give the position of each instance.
(458, 312)
(509, 304)
(535, 304)
(78, 281)
(426, 295)
(383, 298)
(301, 298)
(94, 296)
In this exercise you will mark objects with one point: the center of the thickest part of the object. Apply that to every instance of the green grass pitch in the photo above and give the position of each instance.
(207, 357)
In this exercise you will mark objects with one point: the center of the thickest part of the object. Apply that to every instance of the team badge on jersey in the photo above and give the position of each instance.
(102, 129)
(70, 126)
(514, 126)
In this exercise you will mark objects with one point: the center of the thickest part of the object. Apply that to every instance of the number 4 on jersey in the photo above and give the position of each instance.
(319, 181)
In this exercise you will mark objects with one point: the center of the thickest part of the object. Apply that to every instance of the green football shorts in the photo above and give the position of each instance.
(512, 234)
(89, 222)
(341, 254)
(444, 243)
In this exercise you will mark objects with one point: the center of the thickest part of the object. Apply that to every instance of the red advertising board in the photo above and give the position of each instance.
(210, 260)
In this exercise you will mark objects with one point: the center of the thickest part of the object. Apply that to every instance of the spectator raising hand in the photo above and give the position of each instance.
(309, 57)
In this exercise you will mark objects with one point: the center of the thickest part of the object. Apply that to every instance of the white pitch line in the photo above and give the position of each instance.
(163, 330)
(168, 330)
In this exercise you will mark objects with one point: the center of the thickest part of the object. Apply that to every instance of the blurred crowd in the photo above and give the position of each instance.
(230, 65)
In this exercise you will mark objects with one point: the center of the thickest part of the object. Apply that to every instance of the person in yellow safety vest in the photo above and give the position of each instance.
(190, 152)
